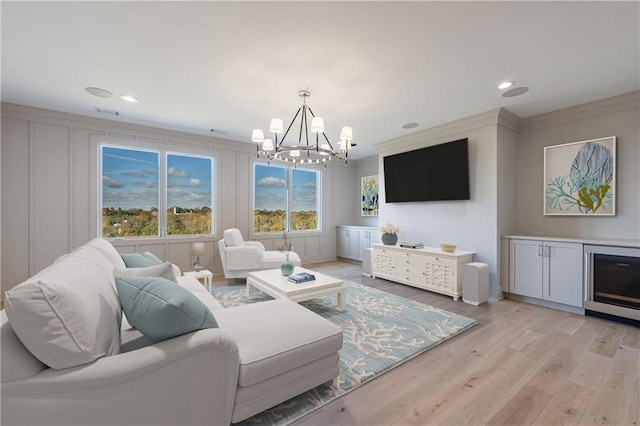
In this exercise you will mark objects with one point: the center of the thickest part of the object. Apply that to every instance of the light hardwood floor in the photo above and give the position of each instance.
(522, 364)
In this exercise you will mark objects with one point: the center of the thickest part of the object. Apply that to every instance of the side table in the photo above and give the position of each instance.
(204, 275)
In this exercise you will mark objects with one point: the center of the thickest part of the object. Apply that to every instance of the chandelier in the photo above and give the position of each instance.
(314, 150)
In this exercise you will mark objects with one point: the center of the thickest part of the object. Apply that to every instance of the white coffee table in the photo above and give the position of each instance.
(274, 284)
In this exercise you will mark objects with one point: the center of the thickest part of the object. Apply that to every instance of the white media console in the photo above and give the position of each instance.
(428, 268)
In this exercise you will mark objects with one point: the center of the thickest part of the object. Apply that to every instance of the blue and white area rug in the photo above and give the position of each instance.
(381, 331)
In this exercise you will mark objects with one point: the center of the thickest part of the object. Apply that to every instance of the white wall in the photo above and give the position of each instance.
(49, 190)
(617, 116)
(472, 225)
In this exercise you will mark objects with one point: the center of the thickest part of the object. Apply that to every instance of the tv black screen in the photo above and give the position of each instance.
(436, 173)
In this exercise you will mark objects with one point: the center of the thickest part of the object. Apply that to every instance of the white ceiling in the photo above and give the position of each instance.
(232, 66)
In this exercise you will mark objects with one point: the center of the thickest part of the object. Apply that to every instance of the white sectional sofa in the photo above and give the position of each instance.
(260, 355)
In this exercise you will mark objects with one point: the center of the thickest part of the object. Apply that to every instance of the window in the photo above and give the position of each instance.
(154, 193)
(285, 199)
(189, 197)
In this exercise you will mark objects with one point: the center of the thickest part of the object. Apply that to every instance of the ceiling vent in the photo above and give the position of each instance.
(108, 112)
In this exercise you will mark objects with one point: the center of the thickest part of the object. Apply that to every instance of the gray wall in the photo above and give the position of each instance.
(49, 191)
(617, 116)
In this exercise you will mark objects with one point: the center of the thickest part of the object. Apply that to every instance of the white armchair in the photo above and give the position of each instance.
(240, 257)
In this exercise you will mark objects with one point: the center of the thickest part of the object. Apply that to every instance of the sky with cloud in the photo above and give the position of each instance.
(271, 188)
(130, 179)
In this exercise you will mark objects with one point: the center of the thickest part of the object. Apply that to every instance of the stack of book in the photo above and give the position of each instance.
(302, 277)
(412, 245)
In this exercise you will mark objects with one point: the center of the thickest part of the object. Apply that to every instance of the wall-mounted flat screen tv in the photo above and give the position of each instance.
(435, 173)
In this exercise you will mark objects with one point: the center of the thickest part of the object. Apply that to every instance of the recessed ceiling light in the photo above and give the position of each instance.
(129, 98)
(409, 125)
(516, 91)
(96, 91)
(506, 84)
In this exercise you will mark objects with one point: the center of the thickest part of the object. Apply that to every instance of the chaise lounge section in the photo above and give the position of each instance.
(260, 355)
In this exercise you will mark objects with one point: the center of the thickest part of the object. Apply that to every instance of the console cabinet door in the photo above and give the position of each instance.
(525, 268)
(383, 263)
(546, 270)
(562, 273)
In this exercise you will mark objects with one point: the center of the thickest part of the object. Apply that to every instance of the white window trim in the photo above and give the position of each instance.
(97, 141)
(289, 201)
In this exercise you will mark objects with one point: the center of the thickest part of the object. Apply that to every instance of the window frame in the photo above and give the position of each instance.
(163, 151)
(289, 199)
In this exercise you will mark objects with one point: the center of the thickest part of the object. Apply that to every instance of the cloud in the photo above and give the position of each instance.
(196, 182)
(172, 171)
(134, 173)
(141, 199)
(272, 182)
(270, 201)
(147, 184)
(189, 199)
(309, 185)
(111, 183)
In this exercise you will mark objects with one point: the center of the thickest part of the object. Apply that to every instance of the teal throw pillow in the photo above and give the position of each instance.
(160, 309)
(140, 260)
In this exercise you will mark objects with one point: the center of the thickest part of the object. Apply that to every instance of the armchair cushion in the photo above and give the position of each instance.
(243, 257)
(160, 309)
(233, 237)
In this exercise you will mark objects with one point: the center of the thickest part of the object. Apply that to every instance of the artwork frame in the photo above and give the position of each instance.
(580, 178)
(369, 190)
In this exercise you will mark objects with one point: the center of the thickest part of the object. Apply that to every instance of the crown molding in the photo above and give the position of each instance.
(494, 117)
(121, 130)
(614, 104)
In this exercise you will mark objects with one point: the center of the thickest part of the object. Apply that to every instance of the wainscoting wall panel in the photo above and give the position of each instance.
(50, 192)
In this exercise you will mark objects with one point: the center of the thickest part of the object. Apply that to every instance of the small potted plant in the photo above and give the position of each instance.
(390, 233)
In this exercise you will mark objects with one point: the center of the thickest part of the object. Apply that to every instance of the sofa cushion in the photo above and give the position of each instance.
(301, 337)
(197, 289)
(108, 251)
(17, 361)
(160, 309)
(140, 260)
(164, 270)
(68, 314)
(233, 237)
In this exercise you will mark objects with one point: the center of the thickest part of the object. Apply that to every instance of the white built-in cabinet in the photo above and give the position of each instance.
(547, 270)
(352, 240)
(428, 268)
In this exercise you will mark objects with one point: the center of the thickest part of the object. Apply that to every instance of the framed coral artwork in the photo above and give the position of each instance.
(369, 196)
(580, 178)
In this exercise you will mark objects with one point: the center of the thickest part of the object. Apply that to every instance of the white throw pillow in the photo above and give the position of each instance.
(164, 270)
(68, 314)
